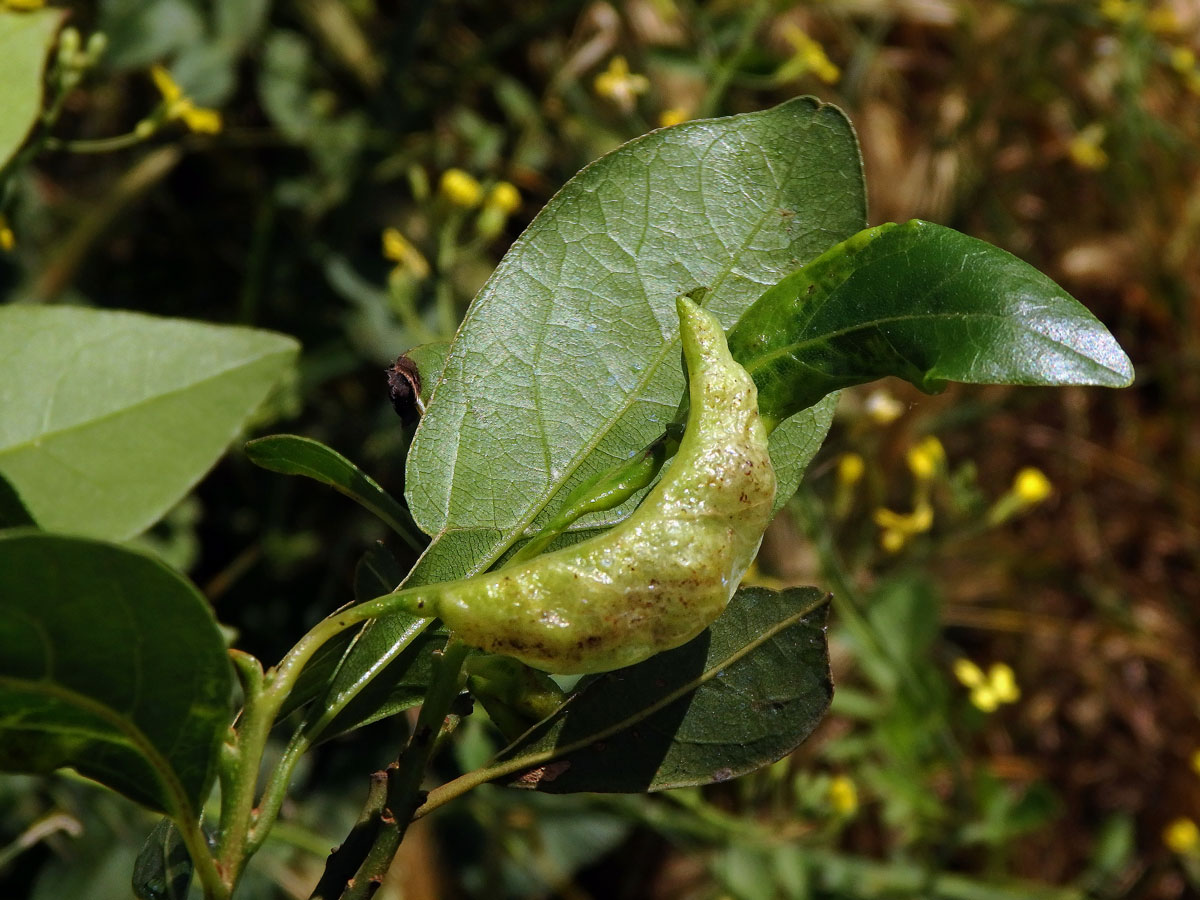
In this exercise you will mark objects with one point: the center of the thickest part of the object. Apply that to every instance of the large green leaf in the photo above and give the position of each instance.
(569, 357)
(924, 303)
(743, 694)
(110, 663)
(25, 39)
(111, 417)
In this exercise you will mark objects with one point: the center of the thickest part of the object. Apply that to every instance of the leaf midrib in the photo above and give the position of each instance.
(163, 770)
(789, 349)
(48, 436)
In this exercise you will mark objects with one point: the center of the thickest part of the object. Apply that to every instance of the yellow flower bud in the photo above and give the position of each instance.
(8, 240)
(177, 106)
(673, 116)
(618, 84)
(504, 197)
(1031, 486)
(968, 673)
(1183, 59)
(399, 250)
(1003, 682)
(926, 458)
(850, 469)
(460, 188)
(1085, 150)
(1182, 836)
(843, 795)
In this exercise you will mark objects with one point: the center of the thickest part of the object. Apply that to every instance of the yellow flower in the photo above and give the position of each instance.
(179, 106)
(504, 197)
(8, 240)
(1182, 836)
(807, 56)
(850, 469)
(988, 691)
(1119, 11)
(1183, 59)
(24, 5)
(399, 250)
(618, 84)
(926, 458)
(460, 188)
(899, 528)
(1031, 486)
(1163, 21)
(843, 795)
(673, 116)
(1085, 150)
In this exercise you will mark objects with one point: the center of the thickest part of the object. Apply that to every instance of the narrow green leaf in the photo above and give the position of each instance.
(111, 417)
(290, 454)
(163, 869)
(744, 693)
(346, 699)
(926, 304)
(110, 663)
(25, 40)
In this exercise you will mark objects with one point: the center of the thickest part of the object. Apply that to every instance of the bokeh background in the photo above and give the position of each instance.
(1017, 569)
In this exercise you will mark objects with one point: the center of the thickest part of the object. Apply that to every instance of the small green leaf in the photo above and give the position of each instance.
(110, 663)
(25, 40)
(923, 303)
(744, 693)
(291, 454)
(163, 869)
(111, 417)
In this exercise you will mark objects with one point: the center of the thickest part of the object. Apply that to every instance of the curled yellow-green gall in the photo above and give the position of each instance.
(660, 577)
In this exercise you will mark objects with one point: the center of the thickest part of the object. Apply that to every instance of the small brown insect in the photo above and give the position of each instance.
(404, 387)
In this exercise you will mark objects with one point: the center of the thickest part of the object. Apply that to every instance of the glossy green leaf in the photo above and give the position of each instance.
(291, 454)
(25, 40)
(110, 663)
(111, 417)
(926, 304)
(744, 693)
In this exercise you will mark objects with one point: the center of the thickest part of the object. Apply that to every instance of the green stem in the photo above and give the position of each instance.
(238, 814)
(394, 810)
(100, 145)
(726, 69)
